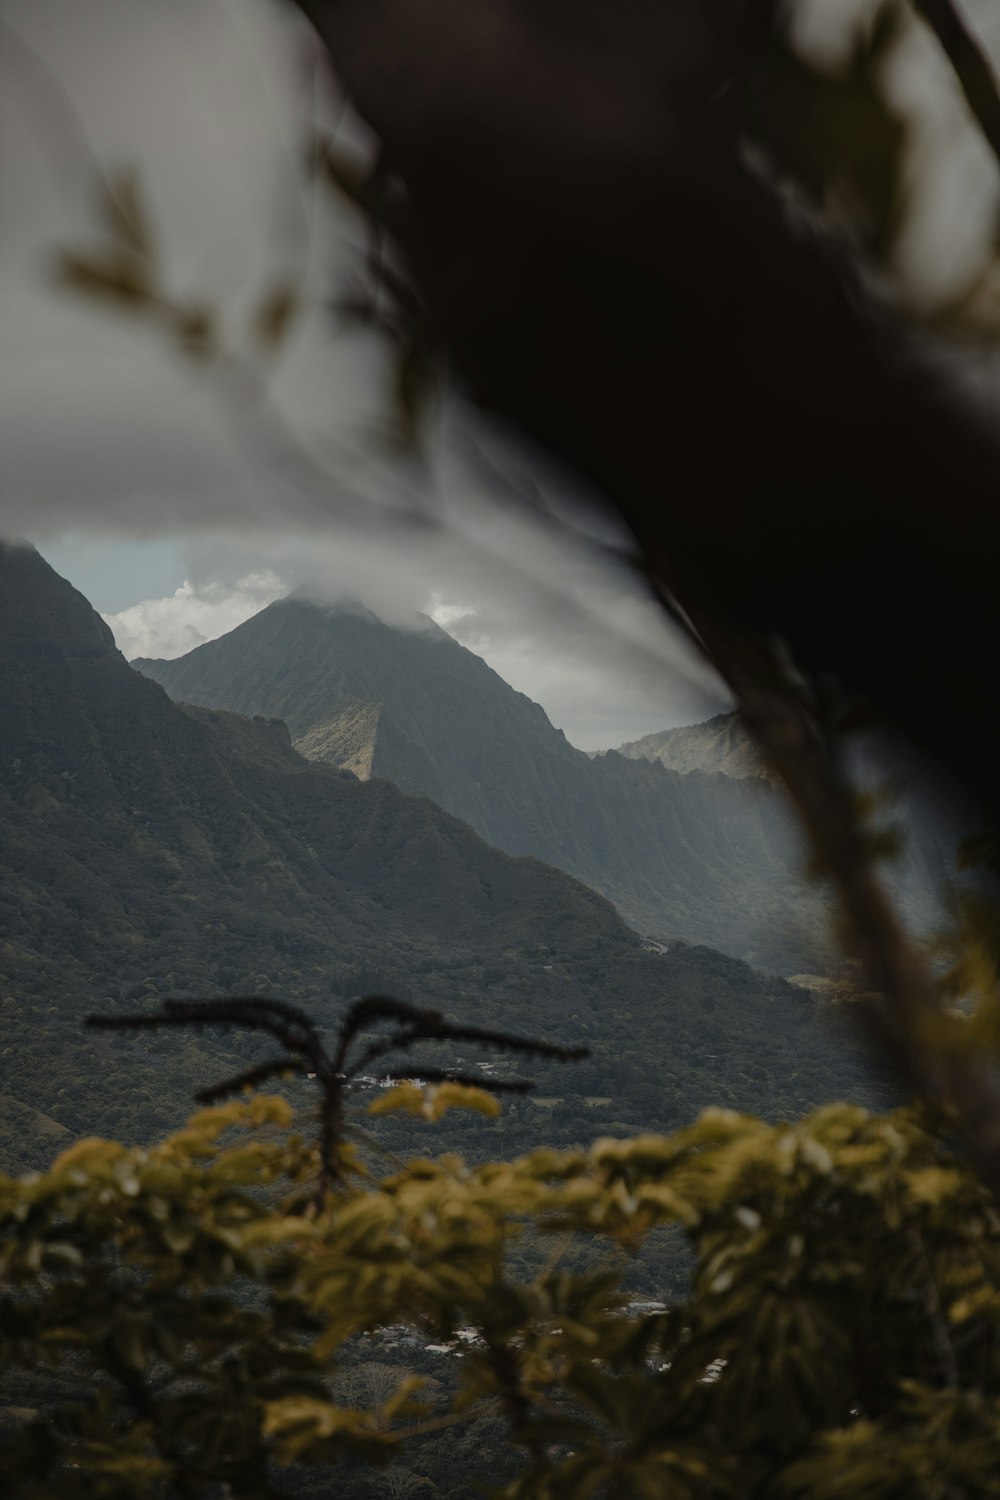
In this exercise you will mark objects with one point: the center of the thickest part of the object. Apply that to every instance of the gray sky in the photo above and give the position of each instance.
(178, 506)
(176, 509)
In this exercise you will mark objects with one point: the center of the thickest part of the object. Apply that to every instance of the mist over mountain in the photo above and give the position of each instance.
(699, 856)
(147, 850)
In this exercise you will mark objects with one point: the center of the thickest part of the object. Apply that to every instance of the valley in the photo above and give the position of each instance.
(150, 850)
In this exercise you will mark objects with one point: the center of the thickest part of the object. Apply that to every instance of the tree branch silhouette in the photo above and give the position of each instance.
(336, 1073)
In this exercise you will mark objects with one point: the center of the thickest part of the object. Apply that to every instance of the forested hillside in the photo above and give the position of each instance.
(699, 857)
(146, 851)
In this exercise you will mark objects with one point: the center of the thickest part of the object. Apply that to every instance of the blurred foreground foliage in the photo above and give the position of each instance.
(840, 1334)
(178, 1319)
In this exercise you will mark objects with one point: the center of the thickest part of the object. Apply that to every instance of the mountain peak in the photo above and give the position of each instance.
(42, 613)
(721, 744)
(312, 597)
(709, 858)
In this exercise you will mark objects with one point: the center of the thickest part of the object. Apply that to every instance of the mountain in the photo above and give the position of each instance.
(147, 850)
(698, 856)
(908, 797)
(719, 745)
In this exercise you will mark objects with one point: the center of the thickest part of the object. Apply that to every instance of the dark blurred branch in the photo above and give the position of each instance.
(910, 1028)
(970, 62)
(604, 271)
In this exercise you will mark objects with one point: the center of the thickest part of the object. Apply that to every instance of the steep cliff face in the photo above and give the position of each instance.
(718, 745)
(702, 856)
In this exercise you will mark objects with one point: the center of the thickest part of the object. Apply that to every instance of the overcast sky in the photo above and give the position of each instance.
(178, 505)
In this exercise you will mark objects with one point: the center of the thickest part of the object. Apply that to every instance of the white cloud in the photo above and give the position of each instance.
(193, 614)
(578, 637)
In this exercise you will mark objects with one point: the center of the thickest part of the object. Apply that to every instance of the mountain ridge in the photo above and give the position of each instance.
(720, 744)
(908, 800)
(695, 856)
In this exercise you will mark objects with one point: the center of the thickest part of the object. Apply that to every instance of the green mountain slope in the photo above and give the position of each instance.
(701, 857)
(145, 850)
